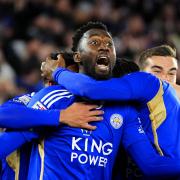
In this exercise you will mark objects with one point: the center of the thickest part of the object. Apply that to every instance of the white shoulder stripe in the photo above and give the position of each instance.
(54, 96)
(52, 102)
(52, 92)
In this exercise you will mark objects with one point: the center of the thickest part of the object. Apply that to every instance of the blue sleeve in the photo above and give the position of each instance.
(133, 131)
(139, 86)
(18, 116)
(10, 141)
(150, 163)
(142, 152)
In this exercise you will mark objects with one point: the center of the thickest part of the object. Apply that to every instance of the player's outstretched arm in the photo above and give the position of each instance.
(133, 86)
(10, 141)
(16, 116)
(21, 117)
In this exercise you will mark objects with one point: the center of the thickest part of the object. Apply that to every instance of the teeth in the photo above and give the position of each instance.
(103, 57)
(103, 67)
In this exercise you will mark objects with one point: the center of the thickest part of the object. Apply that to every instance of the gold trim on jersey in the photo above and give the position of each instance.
(13, 161)
(157, 114)
(41, 153)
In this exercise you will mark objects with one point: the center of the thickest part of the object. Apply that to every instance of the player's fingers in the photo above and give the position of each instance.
(96, 113)
(43, 74)
(59, 56)
(95, 118)
(89, 127)
(90, 107)
(42, 65)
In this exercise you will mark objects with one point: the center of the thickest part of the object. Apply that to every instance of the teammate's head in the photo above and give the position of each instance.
(94, 50)
(69, 60)
(124, 67)
(62, 59)
(160, 61)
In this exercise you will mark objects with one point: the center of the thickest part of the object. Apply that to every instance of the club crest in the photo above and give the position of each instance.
(116, 121)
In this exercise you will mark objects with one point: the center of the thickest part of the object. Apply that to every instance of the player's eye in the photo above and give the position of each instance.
(94, 42)
(157, 72)
(109, 44)
(172, 73)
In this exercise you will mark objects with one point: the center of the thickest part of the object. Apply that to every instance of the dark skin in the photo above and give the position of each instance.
(96, 57)
(78, 114)
(96, 54)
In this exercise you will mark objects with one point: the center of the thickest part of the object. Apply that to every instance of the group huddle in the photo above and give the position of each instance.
(93, 105)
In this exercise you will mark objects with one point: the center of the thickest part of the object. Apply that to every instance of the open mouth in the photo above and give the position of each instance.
(103, 62)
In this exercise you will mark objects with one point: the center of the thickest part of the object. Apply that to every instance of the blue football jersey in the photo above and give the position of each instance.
(75, 153)
(15, 165)
(159, 106)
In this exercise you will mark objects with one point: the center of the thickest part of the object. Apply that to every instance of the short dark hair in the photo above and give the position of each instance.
(123, 67)
(163, 50)
(79, 32)
(68, 57)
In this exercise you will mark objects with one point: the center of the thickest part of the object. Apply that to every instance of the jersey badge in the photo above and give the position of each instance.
(116, 121)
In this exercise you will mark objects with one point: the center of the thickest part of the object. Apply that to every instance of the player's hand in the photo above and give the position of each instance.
(80, 114)
(49, 65)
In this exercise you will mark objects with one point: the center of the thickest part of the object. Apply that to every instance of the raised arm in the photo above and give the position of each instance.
(135, 86)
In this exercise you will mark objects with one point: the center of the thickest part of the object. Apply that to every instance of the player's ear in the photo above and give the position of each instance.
(77, 57)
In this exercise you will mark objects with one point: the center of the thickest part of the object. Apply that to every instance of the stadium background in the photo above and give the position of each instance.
(31, 29)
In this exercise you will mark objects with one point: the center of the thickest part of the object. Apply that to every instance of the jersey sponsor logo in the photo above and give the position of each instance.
(89, 151)
(116, 121)
(86, 132)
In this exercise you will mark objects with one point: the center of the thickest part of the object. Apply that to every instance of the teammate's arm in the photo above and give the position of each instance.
(10, 141)
(17, 116)
(150, 163)
(142, 152)
(14, 115)
(139, 85)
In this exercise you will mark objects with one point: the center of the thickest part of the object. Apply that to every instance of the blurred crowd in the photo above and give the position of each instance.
(32, 29)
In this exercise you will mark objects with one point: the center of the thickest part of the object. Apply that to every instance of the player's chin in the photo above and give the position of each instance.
(103, 73)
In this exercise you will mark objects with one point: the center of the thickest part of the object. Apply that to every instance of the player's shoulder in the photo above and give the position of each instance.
(54, 96)
(55, 89)
(121, 106)
(130, 112)
(124, 109)
(19, 100)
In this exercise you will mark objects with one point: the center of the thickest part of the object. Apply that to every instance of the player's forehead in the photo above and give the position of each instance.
(99, 33)
(163, 60)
